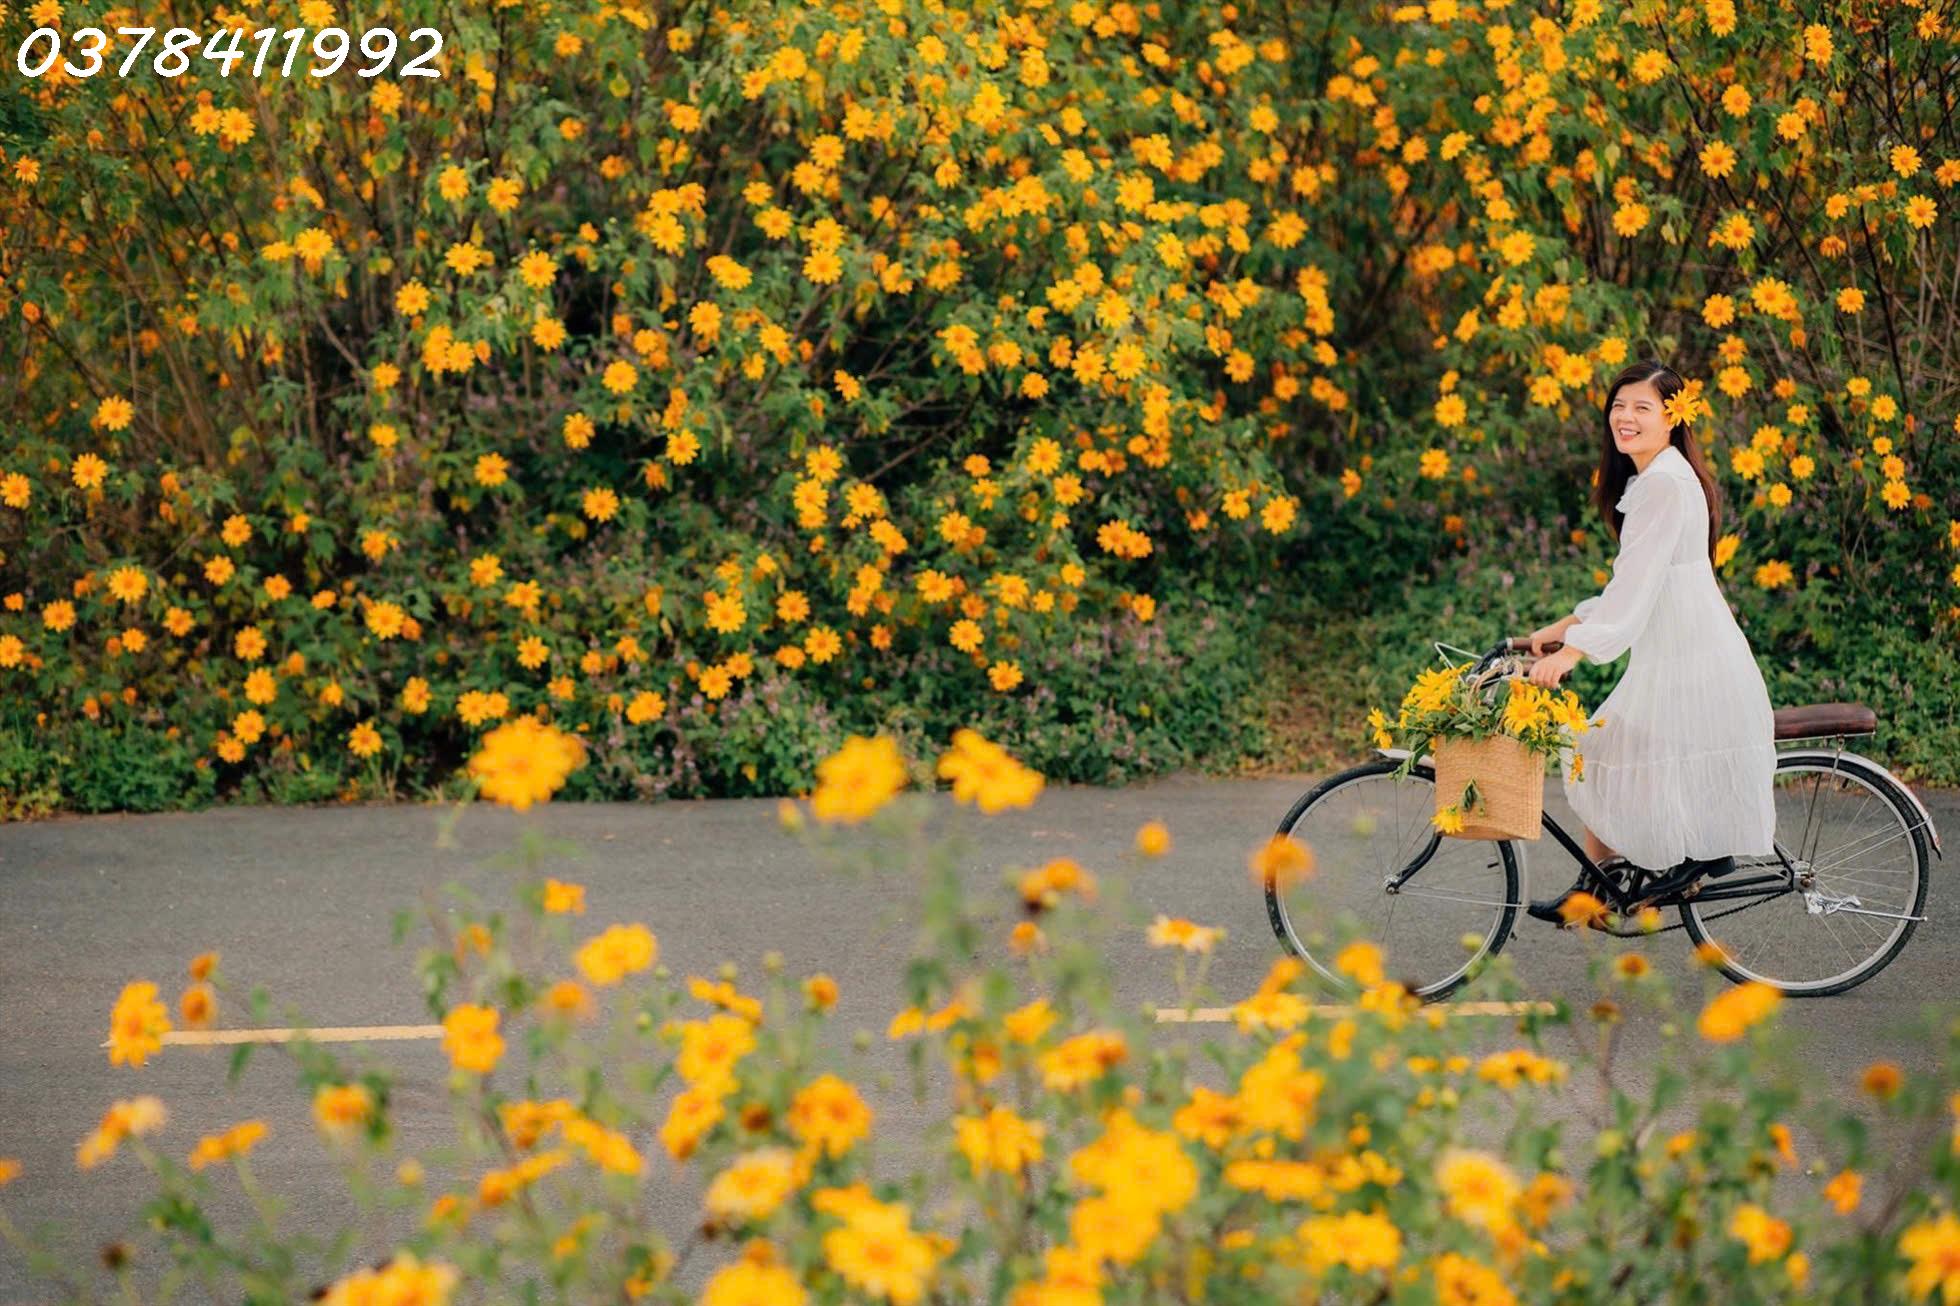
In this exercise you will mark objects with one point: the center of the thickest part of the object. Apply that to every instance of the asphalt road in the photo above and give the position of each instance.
(301, 901)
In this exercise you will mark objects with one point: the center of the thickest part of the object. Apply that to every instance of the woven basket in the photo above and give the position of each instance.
(1510, 797)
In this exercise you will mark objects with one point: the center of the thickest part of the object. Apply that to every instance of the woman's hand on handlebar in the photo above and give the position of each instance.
(1552, 634)
(1547, 671)
(1550, 668)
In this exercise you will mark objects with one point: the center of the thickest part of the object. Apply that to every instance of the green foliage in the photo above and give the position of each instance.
(80, 766)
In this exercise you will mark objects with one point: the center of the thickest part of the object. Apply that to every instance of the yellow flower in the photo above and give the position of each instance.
(1933, 1247)
(1081, 1060)
(877, 1253)
(1882, 1079)
(112, 414)
(1146, 1168)
(1153, 839)
(403, 1280)
(128, 584)
(1361, 961)
(1461, 1281)
(689, 1118)
(620, 951)
(753, 1282)
(828, 1113)
(999, 1140)
(88, 471)
(1844, 1191)
(710, 1048)
(1478, 1188)
(1281, 860)
(470, 1037)
(198, 1005)
(1361, 1243)
(1180, 933)
(131, 1118)
(1114, 1226)
(364, 740)
(1272, 1005)
(525, 761)
(1730, 1013)
(620, 376)
(1519, 1065)
(340, 1109)
(1276, 1094)
(984, 774)
(1763, 1234)
(1526, 706)
(137, 1025)
(236, 1141)
(753, 1186)
(561, 898)
(1543, 1195)
(858, 779)
(1583, 909)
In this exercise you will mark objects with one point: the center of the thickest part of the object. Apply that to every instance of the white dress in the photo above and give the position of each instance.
(1681, 763)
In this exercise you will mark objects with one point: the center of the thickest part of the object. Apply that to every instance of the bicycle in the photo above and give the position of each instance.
(1831, 905)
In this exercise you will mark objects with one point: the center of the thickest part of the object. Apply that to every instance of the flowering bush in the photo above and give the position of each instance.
(1074, 1154)
(648, 358)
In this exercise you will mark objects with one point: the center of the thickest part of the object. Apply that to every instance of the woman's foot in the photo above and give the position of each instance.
(1682, 877)
(1553, 909)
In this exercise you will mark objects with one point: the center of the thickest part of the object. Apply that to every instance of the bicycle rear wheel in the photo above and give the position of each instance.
(1842, 893)
(1434, 927)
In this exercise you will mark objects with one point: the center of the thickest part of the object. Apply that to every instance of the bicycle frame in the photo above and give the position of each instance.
(1756, 888)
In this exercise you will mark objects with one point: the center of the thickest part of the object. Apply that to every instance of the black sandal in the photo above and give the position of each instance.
(1551, 909)
(1682, 877)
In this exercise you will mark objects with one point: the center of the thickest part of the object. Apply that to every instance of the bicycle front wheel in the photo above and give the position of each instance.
(1841, 894)
(1436, 907)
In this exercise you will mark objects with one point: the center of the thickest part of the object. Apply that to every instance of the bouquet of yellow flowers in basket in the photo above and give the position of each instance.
(1488, 742)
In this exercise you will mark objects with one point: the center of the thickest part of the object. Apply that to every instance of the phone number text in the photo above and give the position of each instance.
(170, 52)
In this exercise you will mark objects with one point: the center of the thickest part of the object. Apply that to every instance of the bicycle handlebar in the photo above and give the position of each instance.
(1505, 647)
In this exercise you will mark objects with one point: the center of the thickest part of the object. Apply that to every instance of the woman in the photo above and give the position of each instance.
(1677, 776)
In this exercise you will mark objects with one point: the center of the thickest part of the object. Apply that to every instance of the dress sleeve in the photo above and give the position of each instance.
(1586, 607)
(1653, 523)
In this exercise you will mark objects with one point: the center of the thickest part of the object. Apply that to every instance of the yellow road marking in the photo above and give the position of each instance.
(1178, 1016)
(330, 1034)
(409, 1033)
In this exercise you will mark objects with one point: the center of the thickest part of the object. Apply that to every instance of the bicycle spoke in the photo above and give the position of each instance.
(1456, 897)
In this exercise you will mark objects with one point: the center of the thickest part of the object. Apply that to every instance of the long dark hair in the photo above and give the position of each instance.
(1616, 468)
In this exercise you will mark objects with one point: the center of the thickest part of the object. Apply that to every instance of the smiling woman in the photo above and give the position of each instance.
(1679, 770)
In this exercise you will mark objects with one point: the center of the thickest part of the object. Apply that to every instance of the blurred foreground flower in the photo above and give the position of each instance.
(128, 1119)
(857, 779)
(403, 1279)
(1730, 1013)
(983, 773)
(1281, 860)
(1167, 932)
(525, 761)
(137, 1025)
